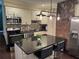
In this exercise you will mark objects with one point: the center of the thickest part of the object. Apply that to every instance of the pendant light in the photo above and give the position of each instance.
(51, 14)
(41, 15)
(58, 17)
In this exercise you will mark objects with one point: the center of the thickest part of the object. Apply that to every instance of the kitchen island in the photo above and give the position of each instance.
(25, 48)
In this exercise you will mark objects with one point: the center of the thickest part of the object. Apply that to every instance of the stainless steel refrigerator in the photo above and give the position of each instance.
(73, 42)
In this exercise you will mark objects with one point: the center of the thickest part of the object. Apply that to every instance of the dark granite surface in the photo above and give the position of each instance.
(30, 44)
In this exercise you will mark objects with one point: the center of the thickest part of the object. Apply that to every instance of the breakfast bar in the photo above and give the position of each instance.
(26, 47)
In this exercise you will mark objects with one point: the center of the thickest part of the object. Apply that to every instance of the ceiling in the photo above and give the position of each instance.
(33, 4)
(40, 1)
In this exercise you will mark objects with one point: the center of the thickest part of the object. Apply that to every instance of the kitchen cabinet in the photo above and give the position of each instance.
(19, 54)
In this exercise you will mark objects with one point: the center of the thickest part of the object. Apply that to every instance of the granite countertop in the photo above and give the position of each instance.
(30, 44)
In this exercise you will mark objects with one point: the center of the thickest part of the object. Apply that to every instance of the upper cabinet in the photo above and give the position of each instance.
(14, 23)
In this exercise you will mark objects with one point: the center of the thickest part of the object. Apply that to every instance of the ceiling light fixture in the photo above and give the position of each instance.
(58, 17)
(41, 12)
(41, 15)
(51, 14)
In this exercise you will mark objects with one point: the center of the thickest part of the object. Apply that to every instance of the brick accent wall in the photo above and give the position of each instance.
(65, 10)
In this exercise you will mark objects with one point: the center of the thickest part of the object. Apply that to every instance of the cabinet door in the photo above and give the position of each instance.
(25, 56)
(18, 52)
(30, 56)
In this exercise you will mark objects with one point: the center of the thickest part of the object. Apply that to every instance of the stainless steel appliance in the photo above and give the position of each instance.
(73, 43)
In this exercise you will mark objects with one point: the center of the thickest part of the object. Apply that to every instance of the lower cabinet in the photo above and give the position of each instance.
(30, 56)
(19, 54)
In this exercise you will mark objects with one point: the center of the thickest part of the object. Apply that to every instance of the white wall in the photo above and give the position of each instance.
(26, 15)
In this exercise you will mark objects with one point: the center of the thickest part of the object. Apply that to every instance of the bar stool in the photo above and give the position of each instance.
(44, 53)
(57, 49)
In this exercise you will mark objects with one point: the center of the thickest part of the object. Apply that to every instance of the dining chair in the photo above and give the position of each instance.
(44, 53)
